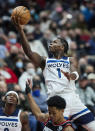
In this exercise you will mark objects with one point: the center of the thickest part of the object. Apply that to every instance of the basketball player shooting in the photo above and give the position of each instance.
(59, 78)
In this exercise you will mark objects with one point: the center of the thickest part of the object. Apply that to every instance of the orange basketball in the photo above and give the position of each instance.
(23, 14)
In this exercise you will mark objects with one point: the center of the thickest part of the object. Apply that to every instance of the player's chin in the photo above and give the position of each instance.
(12, 102)
(51, 49)
(53, 120)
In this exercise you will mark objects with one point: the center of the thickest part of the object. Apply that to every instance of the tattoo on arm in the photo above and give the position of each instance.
(25, 122)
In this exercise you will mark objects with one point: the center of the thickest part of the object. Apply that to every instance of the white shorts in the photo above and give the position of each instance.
(74, 107)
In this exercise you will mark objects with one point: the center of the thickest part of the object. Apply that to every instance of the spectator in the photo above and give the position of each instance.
(10, 60)
(3, 49)
(91, 79)
(8, 74)
(12, 40)
(89, 69)
(37, 46)
(28, 74)
(3, 90)
(86, 93)
(19, 67)
(91, 44)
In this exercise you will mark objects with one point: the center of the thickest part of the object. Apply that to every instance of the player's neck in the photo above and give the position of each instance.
(58, 55)
(61, 120)
(9, 109)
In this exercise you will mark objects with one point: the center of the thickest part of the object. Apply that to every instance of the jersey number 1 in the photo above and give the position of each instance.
(59, 72)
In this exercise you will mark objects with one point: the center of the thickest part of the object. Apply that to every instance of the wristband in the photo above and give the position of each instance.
(77, 75)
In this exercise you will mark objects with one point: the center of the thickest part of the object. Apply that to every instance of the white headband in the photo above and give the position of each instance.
(13, 92)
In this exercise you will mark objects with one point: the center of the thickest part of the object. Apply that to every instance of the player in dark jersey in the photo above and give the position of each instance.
(54, 120)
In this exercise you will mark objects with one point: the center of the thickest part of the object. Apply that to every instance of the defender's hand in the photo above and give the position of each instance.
(28, 86)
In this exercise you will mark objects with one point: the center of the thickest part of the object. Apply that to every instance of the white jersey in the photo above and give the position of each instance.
(58, 84)
(55, 80)
(10, 123)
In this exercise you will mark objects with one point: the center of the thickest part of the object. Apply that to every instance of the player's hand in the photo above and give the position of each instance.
(28, 86)
(16, 22)
(72, 76)
(66, 74)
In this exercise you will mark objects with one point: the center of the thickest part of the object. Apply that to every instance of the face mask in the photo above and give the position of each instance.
(19, 64)
(59, 9)
(31, 71)
(13, 40)
(36, 93)
(32, 12)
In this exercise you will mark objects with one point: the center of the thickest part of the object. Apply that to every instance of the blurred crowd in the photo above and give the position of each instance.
(75, 21)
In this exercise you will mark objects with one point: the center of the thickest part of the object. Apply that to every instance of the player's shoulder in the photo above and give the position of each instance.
(24, 116)
(65, 57)
(68, 128)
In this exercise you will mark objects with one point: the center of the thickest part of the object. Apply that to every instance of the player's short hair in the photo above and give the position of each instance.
(56, 101)
(65, 43)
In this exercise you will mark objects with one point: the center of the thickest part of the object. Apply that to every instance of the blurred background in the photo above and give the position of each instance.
(74, 20)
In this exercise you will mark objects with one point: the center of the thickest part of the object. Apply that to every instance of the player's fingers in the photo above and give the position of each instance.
(62, 71)
(28, 80)
(14, 20)
(18, 20)
(66, 74)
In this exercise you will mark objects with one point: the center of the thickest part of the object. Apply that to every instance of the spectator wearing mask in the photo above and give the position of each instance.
(12, 40)
(28, 74)
(19, 67)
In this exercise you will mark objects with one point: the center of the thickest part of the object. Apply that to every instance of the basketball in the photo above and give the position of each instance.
(22, 13)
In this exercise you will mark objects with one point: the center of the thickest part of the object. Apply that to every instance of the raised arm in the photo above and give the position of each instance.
(38, 60)
(34, 107)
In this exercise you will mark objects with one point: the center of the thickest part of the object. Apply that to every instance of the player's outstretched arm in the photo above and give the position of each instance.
(33, 56)
(24, 121)
(34, 107)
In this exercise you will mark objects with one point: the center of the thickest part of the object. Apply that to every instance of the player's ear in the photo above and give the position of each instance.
(62, 47)
(63, 110)
(4, 98)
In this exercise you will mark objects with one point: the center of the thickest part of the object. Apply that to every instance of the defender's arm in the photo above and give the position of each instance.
(34, 107)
